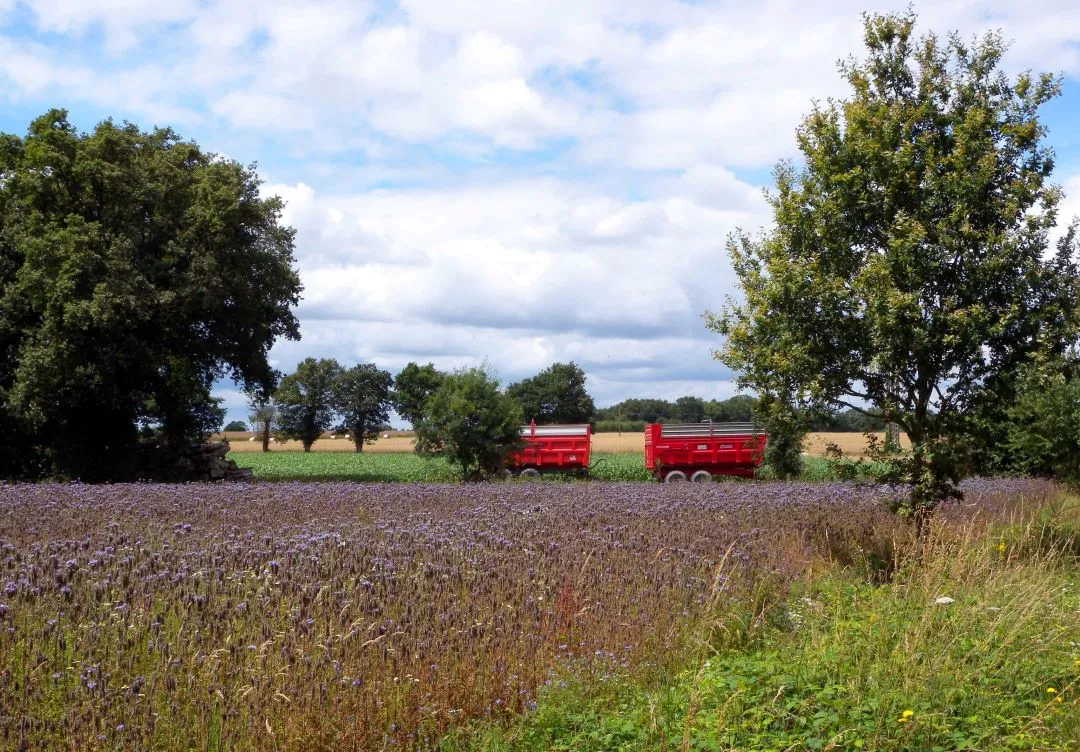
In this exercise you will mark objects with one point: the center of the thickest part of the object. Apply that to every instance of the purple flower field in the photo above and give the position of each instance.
(362, 616)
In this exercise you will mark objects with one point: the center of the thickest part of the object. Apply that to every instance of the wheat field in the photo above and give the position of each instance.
(852, 444)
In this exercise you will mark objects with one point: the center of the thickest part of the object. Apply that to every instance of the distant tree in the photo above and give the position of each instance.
(470, 422)
(305, 400)
(362, 399)
(908, 266)
(739, 409)
(689, 409)
(555, 395)
(647, 410)
(262, 412)
(236, 425)
(135, 269)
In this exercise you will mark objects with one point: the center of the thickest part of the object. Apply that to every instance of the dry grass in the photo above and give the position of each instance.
(853, 444)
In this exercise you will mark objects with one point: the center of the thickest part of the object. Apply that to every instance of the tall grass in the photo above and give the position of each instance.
(974, 643)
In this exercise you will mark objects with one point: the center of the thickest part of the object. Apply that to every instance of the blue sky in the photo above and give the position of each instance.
(509, 181)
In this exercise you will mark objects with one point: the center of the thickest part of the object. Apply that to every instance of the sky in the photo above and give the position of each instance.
(509, 182)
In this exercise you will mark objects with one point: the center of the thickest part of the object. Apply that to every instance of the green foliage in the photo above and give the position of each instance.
(785, 426)
(909, 264)
(637, 412)
(471, 423)
(618, 426)
(412, 388)
(236, 425)
(135, 269)
(555, 395)
(1043, 423)
(305, 401)
(361, 396)
(689, 409)
(389, 467)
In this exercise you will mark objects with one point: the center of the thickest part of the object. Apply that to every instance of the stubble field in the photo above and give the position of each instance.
(344, 616)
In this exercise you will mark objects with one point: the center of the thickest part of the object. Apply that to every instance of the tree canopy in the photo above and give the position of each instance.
(412, 387)
(305, 400)
(555, 395)
(361, 397)
(135, 269)
(909, 267)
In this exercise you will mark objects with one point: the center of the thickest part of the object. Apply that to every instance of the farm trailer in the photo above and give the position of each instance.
(698, 451)
(552, 448)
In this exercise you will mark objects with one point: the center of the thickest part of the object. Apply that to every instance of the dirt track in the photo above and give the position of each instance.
(853, 444)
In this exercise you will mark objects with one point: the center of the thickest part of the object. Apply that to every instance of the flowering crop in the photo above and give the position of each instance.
(350, 616)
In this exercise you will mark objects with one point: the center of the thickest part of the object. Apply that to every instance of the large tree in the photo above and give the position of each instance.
(908, 266)
(555, 395)
(305, 401)
(362, 399)
(135, 269)
(470, 422)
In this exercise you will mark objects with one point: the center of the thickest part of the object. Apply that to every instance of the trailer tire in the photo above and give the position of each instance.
(701, 476)
(675, 476)
(530, 473)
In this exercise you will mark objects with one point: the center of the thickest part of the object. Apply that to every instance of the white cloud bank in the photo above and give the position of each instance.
(563, 173)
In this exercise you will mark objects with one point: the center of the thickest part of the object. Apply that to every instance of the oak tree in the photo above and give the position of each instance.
(135, 270)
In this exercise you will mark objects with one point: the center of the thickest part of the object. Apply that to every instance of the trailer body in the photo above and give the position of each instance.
(698, 451)
(553, 448)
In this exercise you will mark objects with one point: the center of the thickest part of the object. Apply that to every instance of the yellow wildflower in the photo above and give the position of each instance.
(905, 716)
(1051, 691)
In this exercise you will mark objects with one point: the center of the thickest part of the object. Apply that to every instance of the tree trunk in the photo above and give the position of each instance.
(266, 436)
(358, 441)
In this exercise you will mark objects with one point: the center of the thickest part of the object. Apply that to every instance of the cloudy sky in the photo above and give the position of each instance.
(516, 181)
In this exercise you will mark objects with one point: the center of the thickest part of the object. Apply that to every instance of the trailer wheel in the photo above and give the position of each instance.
(508, 474)
(701, 476)
(530, 473)
(675, 476)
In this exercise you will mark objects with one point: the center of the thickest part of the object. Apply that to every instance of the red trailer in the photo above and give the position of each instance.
(552, 448)
(698, 451)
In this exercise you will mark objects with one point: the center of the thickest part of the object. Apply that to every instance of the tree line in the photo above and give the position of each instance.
(633, 414)
(463, 415)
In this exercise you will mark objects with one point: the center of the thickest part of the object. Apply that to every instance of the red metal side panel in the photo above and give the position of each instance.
(552, 451)
(652, 433)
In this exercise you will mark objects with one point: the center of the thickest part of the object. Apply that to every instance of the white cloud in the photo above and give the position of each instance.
(520, 273)
(525, 180)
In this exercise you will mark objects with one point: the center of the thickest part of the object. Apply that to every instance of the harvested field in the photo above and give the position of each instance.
(339, 616)
(853, 444)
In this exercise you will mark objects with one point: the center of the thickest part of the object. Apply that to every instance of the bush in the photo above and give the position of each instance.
(471, 423)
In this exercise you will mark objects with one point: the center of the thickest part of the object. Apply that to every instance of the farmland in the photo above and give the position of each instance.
(299, 616)
(853, 444)
(397, 467)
